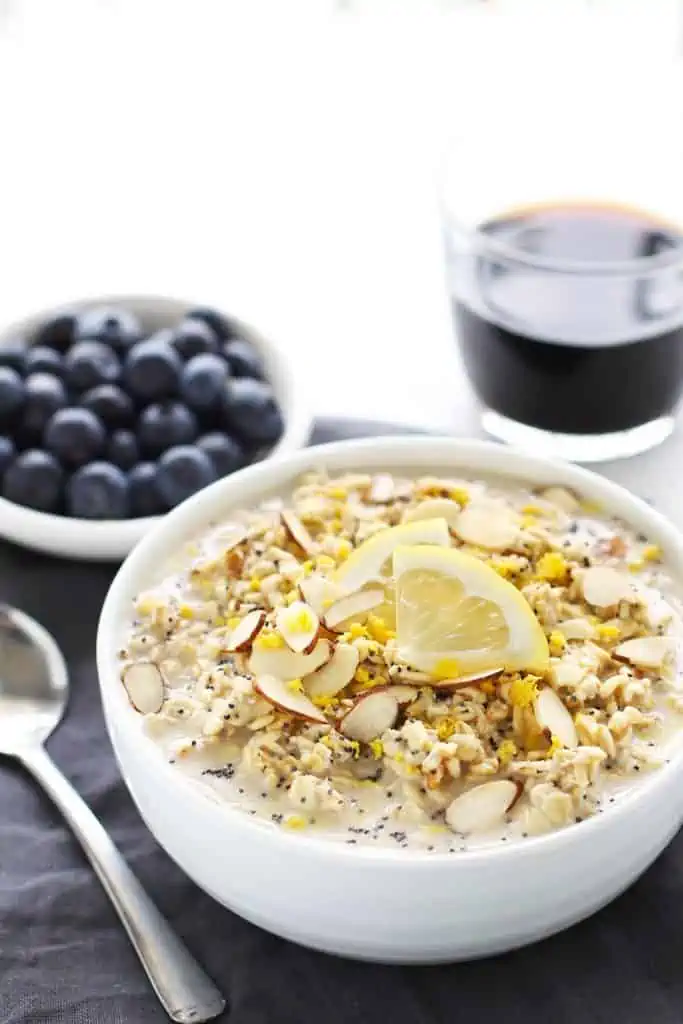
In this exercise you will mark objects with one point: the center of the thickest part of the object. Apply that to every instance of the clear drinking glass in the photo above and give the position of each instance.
(564, 243)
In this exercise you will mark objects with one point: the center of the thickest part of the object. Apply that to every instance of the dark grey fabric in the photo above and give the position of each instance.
(64, 958)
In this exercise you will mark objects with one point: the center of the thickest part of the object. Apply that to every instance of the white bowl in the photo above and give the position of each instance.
(113, 539)
(384, 904)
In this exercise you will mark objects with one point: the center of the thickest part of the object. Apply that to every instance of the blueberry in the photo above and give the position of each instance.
(243, 359)
(13, 354)
(45, 395)
(75, 436)
(57, 332)
(192, 337)
(118, 328)
(89, 363)
(164, 425)
(123, 449)
(98, 491)
(41, 359)
(12, 392)
(152, 370)
(7, 453)
(181, 472)
(143, 491)
(111, 403)
(34, 479)
(203, 381)
(225, 453)
(250, 409)
(222, 328)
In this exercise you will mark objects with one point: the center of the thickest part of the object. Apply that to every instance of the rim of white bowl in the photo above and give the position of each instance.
(462, 456)
(20, 524)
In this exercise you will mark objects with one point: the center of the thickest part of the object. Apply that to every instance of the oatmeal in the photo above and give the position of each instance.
(413, 661)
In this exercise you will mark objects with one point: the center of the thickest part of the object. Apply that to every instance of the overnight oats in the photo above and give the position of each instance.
(417, 662)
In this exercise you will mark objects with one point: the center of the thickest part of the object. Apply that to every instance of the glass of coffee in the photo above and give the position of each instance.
(565, 273)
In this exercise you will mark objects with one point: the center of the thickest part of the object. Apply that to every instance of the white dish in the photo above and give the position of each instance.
(384, 904)
(112, 540)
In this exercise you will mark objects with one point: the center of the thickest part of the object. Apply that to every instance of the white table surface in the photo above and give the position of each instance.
(279, 159)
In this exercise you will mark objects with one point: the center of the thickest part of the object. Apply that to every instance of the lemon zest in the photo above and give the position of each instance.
(295, 821)
(523, 692)
(606, 631)
(377, 748)
(325, 702)
(339, 493)
(555, 744)
(557, 642)
(295, 686)
(506, 751)
(324, 562)
(356, 631)
(269, 641)
(254, 583)
(234, 621)
(344, 549)
(378, 629)
(652, 553)
(446, 728)
(185, 612)
(552, 566)
(460, 495)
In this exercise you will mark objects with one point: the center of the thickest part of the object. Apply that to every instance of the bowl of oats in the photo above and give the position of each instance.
(407, 699)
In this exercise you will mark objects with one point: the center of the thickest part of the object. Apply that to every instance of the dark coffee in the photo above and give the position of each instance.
(578, 352)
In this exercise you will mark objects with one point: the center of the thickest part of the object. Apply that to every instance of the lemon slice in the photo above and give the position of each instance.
(456, 616)
(369, 559)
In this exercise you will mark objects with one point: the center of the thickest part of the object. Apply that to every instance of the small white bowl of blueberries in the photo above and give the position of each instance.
(115, 410)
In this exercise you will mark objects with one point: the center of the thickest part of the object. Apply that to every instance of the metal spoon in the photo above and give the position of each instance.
(34, 689)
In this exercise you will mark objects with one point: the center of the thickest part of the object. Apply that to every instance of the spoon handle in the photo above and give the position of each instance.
(185, 991)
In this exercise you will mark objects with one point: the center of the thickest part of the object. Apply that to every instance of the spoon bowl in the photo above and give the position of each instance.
(34, 689)
(34, 682)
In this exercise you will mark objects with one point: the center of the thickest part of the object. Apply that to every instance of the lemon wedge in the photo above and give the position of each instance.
(369, 560)
(456, 616)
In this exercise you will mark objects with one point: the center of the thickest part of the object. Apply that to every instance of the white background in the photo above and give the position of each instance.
(278, 157)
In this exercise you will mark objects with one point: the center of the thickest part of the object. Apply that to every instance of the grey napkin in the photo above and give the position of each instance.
(64, 958)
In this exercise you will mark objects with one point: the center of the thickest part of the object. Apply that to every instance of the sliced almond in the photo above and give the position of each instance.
(561, 497)
(435, 508)
(352, 606)
(483, 806)
(234, 539)
(144, 685)
(316, 590)
(335, 674)
(487, 524)
(647, 651)
(299, 626)
(604, 587)
(286, 664)
(551, 714)
(244, 634)
(461, 681)
(381, 488)
(297, 532)
(576, 629)
(401, 692)
(370, 716)
(278, 693)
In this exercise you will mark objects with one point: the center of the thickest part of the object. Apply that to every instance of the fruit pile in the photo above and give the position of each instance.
(99, 421)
